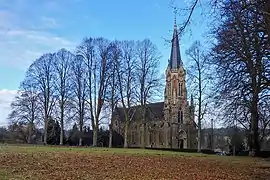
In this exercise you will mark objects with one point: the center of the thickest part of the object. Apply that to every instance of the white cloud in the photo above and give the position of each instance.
(6, 97)
(49, 22)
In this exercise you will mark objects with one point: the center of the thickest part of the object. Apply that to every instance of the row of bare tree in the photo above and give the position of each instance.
(86, 85)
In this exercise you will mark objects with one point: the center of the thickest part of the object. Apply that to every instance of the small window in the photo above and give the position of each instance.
(116, 123)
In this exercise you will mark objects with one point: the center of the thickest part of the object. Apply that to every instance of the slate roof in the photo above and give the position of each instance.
(175, 59)
(154, 111)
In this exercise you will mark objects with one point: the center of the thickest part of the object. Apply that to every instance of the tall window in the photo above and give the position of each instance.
(180, 116)
(180, 89)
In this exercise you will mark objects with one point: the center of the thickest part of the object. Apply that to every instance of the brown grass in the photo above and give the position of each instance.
(96, 163)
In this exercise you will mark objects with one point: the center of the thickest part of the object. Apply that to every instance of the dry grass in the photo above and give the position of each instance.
(40, 162)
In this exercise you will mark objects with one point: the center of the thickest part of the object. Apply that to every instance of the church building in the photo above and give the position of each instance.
(169, 124)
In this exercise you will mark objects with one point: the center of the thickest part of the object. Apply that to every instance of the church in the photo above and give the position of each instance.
(168, 124)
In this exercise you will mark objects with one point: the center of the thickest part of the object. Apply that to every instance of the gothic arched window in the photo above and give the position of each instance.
(180, 116)
(180, 89)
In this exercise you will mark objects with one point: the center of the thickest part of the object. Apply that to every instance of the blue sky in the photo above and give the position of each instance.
(29, 28)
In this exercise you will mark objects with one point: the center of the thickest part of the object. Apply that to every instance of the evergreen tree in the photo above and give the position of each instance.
(53, 132)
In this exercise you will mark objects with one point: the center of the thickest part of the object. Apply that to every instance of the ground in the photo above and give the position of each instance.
(45, 162)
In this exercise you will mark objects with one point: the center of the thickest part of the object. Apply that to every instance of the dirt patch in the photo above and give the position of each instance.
(72, 165)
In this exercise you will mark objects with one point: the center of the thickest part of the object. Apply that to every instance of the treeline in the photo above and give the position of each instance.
(17, 133)
(84, 87)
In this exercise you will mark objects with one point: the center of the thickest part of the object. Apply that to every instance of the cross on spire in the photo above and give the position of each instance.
(175, 13)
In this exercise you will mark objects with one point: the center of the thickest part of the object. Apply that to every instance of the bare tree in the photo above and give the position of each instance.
(25, 108)
(199, 82)
(95, 53)
(112, 95)
(241, 55)
(79, 93)
(126, 81)
(147, 75)
(62, 64)
(42, 75)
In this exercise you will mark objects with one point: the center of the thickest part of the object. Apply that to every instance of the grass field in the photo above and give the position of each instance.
(45, 162)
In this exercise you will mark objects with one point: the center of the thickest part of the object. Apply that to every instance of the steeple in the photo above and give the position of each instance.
(175, 59)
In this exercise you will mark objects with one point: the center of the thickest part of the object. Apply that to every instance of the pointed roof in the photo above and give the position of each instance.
(175, 59)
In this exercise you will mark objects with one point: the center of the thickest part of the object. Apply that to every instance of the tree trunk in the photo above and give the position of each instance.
(30, 130)
(81, 130)
(255, 144)
(200, 111)
(111, 136)
(62, 126)
(45, 130)
(95, 134)
(126, 135)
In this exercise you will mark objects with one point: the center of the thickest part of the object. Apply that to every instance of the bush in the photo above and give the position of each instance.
(264, 154)
(204, 151)
(208, 151)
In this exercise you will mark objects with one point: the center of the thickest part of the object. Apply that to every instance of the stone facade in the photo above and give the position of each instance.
(169, 124)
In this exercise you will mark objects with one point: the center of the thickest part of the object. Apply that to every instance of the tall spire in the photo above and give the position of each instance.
(175, 59)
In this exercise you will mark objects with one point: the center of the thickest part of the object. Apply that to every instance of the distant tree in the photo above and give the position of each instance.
(3, 135)
(74, 137)
(54, 131)
(26, 108)
(18, 132)
(237, 141)
(103, 137)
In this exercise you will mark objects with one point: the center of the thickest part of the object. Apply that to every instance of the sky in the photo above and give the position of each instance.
(30, 28)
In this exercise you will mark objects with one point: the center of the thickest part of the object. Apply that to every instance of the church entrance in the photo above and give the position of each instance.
(182, 136)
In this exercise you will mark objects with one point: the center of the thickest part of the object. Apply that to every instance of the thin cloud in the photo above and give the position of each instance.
(19, 48)
(20, 44)
(48, 22)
